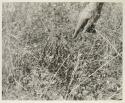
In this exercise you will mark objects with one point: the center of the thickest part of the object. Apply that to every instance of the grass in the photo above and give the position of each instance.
(40, 61)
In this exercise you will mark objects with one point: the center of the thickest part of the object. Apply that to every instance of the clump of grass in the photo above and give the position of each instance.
(40, 61)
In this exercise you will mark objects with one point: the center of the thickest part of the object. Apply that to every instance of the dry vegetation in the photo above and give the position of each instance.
(40, 61)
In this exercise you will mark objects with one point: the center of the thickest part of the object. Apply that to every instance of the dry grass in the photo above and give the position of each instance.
(41, 62)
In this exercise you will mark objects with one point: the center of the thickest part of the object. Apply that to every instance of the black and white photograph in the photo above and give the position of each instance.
(62, 51)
